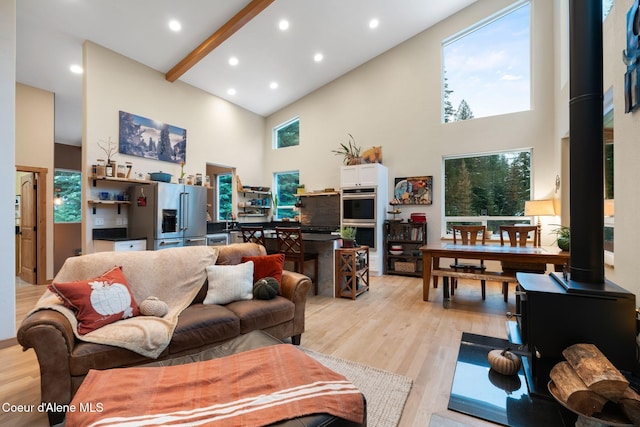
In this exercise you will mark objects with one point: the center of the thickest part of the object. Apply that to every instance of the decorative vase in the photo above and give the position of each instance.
(180, 180)
(564, 243)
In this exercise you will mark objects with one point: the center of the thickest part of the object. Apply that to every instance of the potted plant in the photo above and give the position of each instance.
(348, 235)
(350, 151)
(563, 237)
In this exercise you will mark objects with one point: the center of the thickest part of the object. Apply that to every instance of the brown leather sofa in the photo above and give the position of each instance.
(65, 360)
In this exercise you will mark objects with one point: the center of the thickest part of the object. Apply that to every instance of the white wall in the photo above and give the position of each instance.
(35, 146)
(218, 132)
(626, 153)
(394, 101)
(7, 166)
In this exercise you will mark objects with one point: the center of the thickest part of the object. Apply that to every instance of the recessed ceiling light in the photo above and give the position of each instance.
(273, 85)
(76, 69)
(175, 25)
(283, 25)
(233, 61)
(318, 57)
(231, 91)
(374, 23)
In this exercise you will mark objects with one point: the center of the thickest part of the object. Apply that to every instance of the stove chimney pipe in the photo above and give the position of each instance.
(586, 142)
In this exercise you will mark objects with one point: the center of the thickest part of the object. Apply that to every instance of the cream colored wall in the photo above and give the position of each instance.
(395, 101)
(7, 166)
(561, 123)
(34, 145)
(627, 153)
(217, 131)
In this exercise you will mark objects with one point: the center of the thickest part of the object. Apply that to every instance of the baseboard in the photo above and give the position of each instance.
(8, 343)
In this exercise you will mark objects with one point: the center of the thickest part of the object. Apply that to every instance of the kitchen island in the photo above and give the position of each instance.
(323, 244)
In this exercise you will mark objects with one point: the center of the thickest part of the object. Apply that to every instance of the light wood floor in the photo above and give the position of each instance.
(389, 327)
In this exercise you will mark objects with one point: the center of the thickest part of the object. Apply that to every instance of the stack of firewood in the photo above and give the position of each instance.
(587, 381)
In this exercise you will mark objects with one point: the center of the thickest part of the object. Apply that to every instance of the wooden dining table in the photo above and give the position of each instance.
(432, 252)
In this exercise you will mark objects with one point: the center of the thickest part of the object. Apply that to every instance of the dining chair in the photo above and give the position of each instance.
(253, 235)
(519, 236)
(290, 243)
(469, 235)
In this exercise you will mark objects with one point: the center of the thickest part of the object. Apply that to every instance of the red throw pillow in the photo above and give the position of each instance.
(267, 266)
(98, 301)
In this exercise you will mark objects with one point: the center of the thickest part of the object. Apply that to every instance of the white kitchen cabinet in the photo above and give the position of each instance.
(367, 175)
(120, 245)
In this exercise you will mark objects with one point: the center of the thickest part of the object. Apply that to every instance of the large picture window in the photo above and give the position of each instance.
(287, 134)
(488, 189)
(285, 189)
(487, 68)
(67, 186)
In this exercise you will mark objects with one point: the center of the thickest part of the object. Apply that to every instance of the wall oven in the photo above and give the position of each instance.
(358, 209)
(365, 233)
(359, 205)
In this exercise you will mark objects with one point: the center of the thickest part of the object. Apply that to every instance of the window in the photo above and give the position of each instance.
(285, 189)
(606, 8)
(287, 134)
(609, 201)
(486, 68)
(487, 189)
(67, 193)
(224, 195)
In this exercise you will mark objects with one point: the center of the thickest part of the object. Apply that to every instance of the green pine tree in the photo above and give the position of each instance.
(464, 111)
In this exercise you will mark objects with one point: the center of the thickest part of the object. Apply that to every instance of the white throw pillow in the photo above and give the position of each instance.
(228, 283)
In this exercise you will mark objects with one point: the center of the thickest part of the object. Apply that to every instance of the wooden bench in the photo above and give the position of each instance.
(495, 276)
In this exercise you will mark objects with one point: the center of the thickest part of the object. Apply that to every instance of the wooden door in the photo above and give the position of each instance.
(28, 221)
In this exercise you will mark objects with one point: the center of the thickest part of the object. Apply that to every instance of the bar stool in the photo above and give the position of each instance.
(289, 242)
(253, 235)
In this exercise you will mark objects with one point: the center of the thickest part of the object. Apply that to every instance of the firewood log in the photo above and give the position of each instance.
(630, 404)
(596, 371)
(573, 392)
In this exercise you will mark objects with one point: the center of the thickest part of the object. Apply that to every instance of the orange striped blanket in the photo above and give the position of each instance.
(252, 388)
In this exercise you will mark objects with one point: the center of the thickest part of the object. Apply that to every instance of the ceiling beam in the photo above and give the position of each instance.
(216, 39)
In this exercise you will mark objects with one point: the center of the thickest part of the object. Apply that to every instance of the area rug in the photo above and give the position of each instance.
(386, 392)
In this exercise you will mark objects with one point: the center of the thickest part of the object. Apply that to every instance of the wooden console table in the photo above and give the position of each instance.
(352, 271)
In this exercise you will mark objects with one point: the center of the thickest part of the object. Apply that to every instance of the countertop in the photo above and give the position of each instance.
(121, 239)
(117, 234)
(308, 237)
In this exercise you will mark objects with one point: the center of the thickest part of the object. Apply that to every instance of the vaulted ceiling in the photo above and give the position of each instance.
(50, 34)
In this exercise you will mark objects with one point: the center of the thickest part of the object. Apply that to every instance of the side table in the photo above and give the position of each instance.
(352, 271)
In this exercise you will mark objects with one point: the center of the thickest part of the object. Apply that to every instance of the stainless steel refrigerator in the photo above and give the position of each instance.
(168, 215)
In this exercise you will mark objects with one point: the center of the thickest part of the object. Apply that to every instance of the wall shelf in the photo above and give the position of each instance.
(260, 203)
(95, 179)
(118, 203)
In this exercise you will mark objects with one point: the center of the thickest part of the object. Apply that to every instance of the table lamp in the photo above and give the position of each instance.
(539, 208)
(609, 205)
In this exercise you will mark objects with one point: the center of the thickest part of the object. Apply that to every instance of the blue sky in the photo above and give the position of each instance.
(490, 67)
(606, 4)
